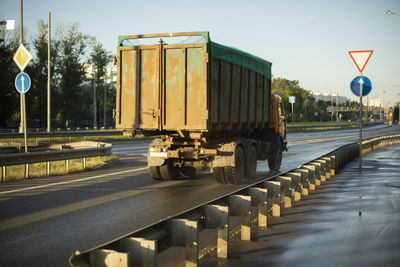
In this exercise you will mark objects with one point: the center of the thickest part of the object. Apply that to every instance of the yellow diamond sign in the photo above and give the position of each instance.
(22, 57)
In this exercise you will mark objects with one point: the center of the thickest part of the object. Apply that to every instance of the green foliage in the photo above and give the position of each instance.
(100, 58)
(9, 97)
(286, 88)
(306, 107)
(71, 89)
(37, 69)
(71, 74)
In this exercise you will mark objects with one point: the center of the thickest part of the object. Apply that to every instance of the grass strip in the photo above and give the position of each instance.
(37, 170)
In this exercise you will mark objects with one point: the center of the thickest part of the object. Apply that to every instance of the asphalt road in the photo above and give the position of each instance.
(43, 221)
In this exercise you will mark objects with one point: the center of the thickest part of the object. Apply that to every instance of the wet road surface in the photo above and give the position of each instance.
(351, 220)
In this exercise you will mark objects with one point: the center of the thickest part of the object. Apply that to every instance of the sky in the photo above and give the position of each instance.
(306, 40)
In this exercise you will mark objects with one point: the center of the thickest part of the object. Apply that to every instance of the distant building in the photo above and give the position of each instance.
(111, 75)
(329, 97)
(376, 102)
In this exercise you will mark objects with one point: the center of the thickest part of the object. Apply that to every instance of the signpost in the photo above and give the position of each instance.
(360, 86)
(23, 82)
(292, 100)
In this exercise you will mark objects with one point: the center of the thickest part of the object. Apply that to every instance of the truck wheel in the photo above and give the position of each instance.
(168, 171)
(251, 162)
(186, 171)
(155, 172)
(235, 174)
(219, 175)
(274, 163)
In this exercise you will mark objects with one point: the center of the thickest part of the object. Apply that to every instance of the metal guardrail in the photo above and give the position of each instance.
(141, 248)
(70, 151)
(330, 126)
(119, 132)
(60, 134)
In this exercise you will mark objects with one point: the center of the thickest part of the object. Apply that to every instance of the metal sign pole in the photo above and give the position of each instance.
(21, 36)
(48, 75)
(360, 139)
(292, 113)
(24, 112)
(23, 109)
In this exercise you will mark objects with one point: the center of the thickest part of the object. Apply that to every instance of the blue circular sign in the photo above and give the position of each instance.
(361, 82)
(22, 82)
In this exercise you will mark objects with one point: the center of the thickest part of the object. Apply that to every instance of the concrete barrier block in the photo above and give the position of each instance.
(240, 205)
(185, 233)
(314, 176)
(107, 258)
(304, 181)
(142, 252)
(217, 217)
(319, 178)
(324, 168)
(274, 197)
(259, 199)
(287, 189)
(332, 164)
(297, 184)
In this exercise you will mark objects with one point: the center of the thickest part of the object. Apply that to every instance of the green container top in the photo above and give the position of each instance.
(216, 50)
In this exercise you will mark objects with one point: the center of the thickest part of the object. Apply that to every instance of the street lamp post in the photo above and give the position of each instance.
(94, 99)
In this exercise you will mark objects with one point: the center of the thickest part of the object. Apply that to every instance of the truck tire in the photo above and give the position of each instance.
(168, 171)
(235, 174)
(186, 171)
(155, 172)
(219, 175)
(274, 162)
(251, 162)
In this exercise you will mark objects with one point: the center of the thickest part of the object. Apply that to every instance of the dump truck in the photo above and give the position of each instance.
(207, 104)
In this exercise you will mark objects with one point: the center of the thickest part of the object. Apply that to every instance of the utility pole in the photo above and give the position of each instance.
(48, 74)
(94, 98)
(23, 105)
(21, 96)
(3, 32)
(360, 138)
(105, 106)
(332, 107)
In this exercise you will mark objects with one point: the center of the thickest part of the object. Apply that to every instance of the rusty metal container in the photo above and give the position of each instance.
(185, 82)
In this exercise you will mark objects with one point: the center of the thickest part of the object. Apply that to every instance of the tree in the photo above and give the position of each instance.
(70, 76)
(9, 97)
(100, 58)
(286, 88)
(37, 100)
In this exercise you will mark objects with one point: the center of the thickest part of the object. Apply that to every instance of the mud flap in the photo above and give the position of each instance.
(151, 161)
(155, 161)
(226, 155)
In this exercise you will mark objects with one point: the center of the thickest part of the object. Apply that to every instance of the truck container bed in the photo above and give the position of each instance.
(184, 82)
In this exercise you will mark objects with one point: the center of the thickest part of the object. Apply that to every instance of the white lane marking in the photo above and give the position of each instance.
(71, 181)
(381, 233)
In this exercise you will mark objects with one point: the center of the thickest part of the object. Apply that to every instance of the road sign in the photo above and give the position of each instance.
(360, 58)
(22, 57)
(292, 99)
(22, 82)
(361, 82)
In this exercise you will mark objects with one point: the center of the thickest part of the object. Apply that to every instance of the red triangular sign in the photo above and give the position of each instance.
(360, 58)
